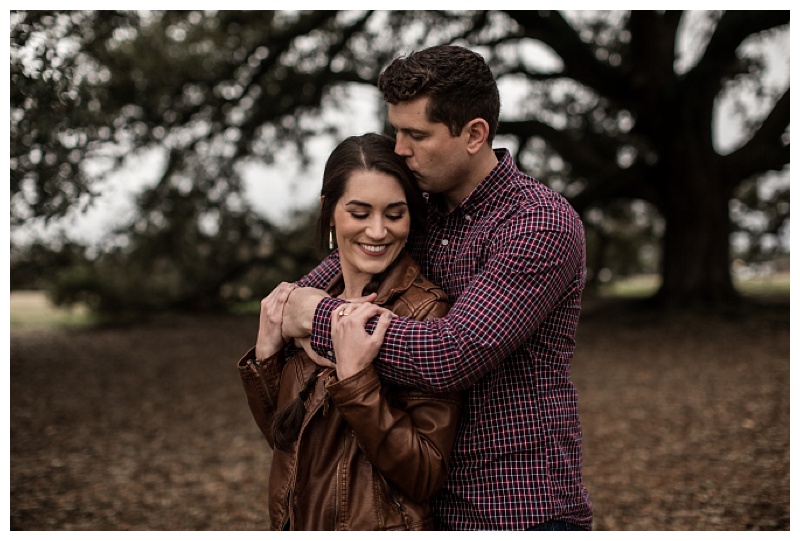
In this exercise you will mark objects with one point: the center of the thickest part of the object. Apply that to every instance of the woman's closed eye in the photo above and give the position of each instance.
(364, 216)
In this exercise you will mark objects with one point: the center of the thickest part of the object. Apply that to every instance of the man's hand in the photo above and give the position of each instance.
(270, 340)
(298, 314)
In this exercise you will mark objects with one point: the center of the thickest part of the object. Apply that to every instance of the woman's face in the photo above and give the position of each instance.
(372, 222)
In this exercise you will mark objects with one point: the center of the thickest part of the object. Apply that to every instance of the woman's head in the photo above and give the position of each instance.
(371, 202)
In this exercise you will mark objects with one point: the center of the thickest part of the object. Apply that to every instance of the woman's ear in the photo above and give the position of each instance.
(322, 205)
(478, 134)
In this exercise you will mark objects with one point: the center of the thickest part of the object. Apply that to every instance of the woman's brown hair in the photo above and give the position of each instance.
(369, 152)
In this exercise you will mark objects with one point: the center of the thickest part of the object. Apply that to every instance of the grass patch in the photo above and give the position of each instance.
(34, 309)
(245, 308)
(633, 287)
(646, 285)
(775, 284)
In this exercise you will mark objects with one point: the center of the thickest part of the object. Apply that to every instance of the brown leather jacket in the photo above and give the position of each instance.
(369, 455)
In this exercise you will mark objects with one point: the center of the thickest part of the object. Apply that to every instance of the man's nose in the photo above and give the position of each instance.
(401, 148)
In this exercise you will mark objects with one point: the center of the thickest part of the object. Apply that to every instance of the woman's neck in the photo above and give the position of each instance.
(354, 284)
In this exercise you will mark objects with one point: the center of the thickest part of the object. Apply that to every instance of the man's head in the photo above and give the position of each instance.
(458, 82)
(444, 107)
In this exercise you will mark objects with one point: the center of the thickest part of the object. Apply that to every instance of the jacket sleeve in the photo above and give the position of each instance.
(261, 381)
(408, 439)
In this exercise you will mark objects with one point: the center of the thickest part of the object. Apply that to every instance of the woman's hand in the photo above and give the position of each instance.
(270, 339)
(354, 347)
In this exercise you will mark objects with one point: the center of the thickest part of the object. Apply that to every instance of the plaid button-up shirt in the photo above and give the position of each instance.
(512, 260)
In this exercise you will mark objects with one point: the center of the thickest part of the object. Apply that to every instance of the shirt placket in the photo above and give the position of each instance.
(443, 242)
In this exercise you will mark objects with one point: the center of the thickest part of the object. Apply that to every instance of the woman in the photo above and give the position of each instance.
(350, 452)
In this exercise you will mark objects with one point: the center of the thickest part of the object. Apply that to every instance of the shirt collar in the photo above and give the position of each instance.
(487, 190)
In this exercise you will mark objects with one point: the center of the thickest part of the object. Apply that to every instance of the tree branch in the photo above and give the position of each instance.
(623, 183)
(764, 151)
(720, 56)
(581, 155)
(579, 60)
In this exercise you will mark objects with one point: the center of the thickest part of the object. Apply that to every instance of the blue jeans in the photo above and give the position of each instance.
(556, 526)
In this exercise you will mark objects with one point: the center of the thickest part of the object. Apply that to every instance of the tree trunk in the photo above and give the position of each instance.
(696, 251)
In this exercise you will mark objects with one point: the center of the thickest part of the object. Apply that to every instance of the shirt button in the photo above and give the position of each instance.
(445, 242)
(330, 354)
(467, 217)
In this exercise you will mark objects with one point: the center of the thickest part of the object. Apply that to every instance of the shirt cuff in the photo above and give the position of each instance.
(321, 341)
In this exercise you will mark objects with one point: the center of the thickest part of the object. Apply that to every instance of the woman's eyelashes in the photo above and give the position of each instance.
(392, 217)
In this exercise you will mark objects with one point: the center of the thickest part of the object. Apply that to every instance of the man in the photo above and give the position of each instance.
(510, 254)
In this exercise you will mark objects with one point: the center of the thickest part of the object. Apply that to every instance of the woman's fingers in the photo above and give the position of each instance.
(270, 340)
(380, 327)
(362, 311)
(355, 348)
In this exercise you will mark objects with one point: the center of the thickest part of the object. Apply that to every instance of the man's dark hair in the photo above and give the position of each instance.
(457, 81)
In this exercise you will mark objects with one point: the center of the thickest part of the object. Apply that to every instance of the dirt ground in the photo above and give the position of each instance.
(686, 425)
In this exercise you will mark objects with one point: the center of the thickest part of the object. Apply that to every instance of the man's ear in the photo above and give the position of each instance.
(477, 131)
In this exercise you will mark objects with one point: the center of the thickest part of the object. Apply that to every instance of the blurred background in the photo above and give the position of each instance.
(164, 173)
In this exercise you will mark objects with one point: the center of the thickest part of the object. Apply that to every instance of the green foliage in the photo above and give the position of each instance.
(617, 121)
(153, 271)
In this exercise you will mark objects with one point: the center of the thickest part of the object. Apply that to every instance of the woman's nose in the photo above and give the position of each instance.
(376, 229)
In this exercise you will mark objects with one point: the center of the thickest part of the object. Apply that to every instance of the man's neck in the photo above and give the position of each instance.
(483, 164)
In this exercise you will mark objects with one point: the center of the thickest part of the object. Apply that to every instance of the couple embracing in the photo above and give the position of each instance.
(419, 377)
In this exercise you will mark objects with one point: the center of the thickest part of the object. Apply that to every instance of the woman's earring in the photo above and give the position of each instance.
(330, 238)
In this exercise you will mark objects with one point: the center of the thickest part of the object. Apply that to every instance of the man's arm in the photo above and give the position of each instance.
(298, 314)
(537, 259)
(321, 275)
(299, 309)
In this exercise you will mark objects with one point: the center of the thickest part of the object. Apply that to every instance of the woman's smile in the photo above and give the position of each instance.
(374, 249)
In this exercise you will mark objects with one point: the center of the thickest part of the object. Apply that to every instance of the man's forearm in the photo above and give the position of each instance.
(298, 314)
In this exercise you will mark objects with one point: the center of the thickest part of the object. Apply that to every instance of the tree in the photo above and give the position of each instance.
(636, 127)
(210, 92)
(620, 121)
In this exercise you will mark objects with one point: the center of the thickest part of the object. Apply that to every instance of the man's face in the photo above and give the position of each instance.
(439, 160)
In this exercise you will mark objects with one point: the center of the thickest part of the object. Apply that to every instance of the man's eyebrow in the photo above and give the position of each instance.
(412, 130)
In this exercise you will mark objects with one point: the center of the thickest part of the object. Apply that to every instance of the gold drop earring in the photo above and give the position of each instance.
(330, 238)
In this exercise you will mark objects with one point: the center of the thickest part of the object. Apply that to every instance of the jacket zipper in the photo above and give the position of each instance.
(395, 501)
(287, 521)
(338, 494)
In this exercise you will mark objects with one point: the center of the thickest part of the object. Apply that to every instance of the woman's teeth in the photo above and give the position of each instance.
(373, 248)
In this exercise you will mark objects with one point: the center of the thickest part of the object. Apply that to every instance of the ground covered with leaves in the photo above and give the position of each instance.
(145, 427)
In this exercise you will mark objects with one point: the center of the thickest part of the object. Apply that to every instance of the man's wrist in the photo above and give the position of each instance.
(321, 327)
(298, 312)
